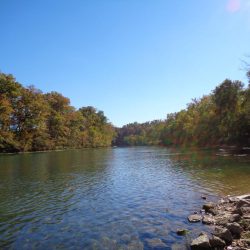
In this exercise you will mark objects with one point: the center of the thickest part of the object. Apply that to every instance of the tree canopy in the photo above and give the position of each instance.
(32, 121)
(222, 117)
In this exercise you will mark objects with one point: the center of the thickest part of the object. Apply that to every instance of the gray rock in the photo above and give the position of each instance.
(246, 216)
(217, 242)
(202, 242)
(245, 197)
(235, 229)
(242, 203)
(208, 205)
(245, 210)
(246, 242)
(194, 218)
(234, 218)
(156, 243)
(208, 219)
(233, 199)
(222, 219)
(245, 224)
(213, 211)
(224, 234)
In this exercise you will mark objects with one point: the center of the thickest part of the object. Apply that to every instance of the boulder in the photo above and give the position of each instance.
(245, 210)
(222, 219)
(224, 234)
(235, 229)
(217, 242)
(234, 218)
(233, 199)
(209, 205)
(243, 203)
(246, 216)
(208, 219)
(245, 197)
(202, 242)
(245, 224)
(213, 211)
(194, 218)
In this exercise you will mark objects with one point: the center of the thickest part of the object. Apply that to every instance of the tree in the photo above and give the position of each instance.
(226, 98)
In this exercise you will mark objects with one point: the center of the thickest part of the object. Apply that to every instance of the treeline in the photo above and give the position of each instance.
(139, 134)
(31, 120)
(223, 117)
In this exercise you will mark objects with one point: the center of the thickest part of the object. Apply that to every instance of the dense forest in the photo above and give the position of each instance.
(220, 118)
(32, 121)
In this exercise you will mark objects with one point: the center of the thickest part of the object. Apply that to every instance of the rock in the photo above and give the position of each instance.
(233, 199)
(246, 242)
(235, 229)
(245, 210)
(208, 219)
(156, 243)
(213, 211)
(222, 219)
(202, 242)
(224, 234)
(194, 218)
(208, 205)
(217, 242)
(237, 211)
(245, 224)
(245, 197)
(182, 232)
(234, 218)
(242, 203)
(246, 216)
(203, 197)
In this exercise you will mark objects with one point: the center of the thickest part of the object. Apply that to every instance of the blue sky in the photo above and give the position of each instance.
(136, 60)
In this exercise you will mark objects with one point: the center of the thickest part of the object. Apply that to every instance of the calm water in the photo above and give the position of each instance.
(110, 198)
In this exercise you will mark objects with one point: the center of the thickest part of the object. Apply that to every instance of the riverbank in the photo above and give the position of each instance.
(229, 220)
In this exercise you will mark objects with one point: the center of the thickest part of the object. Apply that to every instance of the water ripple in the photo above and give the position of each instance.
(109, 198)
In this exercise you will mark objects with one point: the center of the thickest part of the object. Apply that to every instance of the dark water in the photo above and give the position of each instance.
(110, 198)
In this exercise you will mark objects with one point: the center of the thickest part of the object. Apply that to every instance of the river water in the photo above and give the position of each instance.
(114, 198)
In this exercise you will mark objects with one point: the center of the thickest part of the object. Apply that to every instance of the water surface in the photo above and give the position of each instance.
(115, 198)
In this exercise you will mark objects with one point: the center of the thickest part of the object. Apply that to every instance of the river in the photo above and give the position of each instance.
(113, 198)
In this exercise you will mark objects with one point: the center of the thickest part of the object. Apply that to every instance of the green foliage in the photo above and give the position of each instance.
(97, 132)
(136, 134)
(222, 117)
(32, 121)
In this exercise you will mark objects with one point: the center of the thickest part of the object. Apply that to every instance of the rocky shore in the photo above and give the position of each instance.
(229, 220)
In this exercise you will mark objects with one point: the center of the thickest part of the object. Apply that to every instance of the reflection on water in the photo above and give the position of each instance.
(110, 198)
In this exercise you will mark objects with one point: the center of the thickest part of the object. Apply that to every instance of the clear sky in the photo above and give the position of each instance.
(136, 60)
